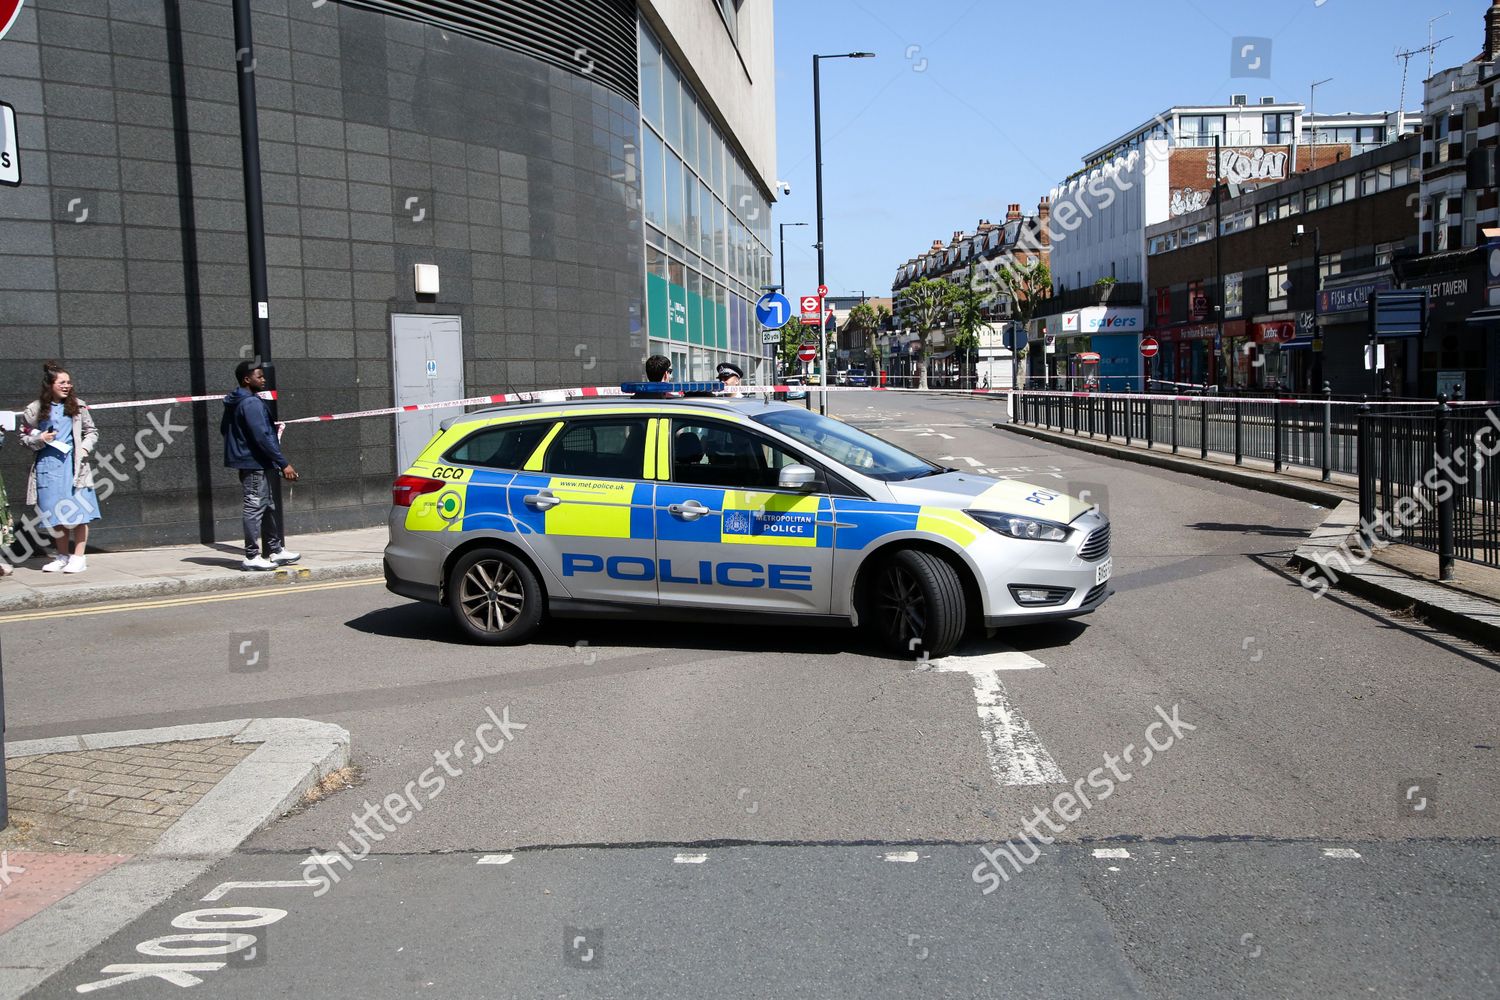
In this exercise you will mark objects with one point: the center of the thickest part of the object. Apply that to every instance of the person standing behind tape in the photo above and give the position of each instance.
(250, 446)
(58, 427)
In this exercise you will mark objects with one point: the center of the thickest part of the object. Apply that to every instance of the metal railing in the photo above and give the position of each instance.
(1313, 433)
(1429, 473)
(1429, 480)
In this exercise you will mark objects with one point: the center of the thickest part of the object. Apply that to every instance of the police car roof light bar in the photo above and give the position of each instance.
(642, 388)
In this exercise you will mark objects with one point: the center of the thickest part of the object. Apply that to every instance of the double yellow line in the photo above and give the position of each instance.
(285, 590)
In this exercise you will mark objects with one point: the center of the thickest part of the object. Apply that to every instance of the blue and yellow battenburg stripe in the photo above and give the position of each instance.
(601, 508)
(475, 499)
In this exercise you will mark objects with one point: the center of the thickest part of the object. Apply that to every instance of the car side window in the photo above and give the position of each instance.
(713, 454)
(506, 447)
(604, 448)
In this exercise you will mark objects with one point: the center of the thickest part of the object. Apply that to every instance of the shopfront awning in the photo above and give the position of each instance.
(1295, 344)
(1481, 317)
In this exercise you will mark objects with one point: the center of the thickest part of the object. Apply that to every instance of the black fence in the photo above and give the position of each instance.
(1429, 474)
(1316, 434)
(1430, 479)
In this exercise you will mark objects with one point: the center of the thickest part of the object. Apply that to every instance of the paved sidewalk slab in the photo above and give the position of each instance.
(117, 800)
(178, 799)
(1335, 552)
(185, 569)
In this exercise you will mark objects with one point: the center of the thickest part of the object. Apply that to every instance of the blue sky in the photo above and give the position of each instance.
(973, 104)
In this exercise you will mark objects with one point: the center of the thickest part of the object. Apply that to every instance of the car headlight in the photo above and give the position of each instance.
(1029, 528)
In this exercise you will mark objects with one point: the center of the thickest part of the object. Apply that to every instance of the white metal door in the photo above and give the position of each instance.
(427, 353)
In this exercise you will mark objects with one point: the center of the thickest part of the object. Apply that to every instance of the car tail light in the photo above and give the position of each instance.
(408, 488)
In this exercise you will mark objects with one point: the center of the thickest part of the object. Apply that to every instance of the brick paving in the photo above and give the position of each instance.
(115, 801)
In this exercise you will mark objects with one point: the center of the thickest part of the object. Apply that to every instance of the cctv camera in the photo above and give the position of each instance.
(784, 188)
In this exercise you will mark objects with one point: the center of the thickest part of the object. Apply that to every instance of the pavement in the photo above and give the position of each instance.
(105, 825)
(689, 810)
(1399, 577)
(191, 569)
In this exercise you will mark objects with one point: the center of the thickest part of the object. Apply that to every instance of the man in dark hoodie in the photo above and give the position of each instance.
(250, 446)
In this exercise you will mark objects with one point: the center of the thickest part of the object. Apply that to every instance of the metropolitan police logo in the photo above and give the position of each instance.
(450, 507)
(737, 522)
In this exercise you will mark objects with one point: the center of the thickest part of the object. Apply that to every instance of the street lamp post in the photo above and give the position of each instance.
(783, 251)
(818, 173)
(1317, 235)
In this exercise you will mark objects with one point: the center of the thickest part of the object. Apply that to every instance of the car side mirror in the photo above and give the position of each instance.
(797, 477)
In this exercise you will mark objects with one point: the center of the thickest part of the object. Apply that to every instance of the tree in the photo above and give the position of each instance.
(972, 302)
(1028, 283)
(923, 304)
(791, 342)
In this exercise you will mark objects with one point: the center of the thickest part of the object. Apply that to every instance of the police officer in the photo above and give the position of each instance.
(732, 375)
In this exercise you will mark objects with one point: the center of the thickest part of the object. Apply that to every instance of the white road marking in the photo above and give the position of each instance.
(690, 859)
(906, 857)
(928, 434)
(1340, 852)
(1111, 852)
(959, 458)
(495, 859)
(322, 859)
(1016, 754)
(995, 658)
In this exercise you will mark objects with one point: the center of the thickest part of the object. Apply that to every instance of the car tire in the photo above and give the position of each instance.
(916, 604)
(495, 597)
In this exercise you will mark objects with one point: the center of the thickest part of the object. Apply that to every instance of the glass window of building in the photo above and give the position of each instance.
(705, 221)
(653, 180)
(721, 150)
(650, 79)
(1277, 128)
(1276, 286)
(1200, 130)
(671, 102)
(676, 220)
(1332, 264)
(705, 162)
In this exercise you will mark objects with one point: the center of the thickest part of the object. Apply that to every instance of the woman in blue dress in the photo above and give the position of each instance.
(58, 427)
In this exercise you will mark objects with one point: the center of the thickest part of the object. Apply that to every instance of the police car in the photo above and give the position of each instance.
(728, 510)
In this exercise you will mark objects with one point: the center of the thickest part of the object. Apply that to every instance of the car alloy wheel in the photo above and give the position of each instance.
(491, 595)
(902, 607)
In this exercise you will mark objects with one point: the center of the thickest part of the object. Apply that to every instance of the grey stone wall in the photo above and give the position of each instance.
(384, 143)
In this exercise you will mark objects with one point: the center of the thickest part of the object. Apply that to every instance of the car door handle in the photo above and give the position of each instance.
(690, 511)
(542, 501)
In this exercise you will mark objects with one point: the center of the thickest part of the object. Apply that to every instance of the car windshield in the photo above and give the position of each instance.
(853, 448)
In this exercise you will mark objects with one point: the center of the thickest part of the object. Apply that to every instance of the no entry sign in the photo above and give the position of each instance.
(9, 10)
(1149, 347)
(808, 352)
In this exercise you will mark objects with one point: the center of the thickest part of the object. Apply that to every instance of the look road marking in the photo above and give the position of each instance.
(1016, 754)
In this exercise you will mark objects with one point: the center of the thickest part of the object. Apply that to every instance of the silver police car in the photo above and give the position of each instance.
(726, 509)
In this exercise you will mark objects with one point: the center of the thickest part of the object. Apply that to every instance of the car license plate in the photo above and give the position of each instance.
(1104, 569)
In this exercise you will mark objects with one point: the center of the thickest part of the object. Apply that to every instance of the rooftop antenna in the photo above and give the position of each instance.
(1431, 45)
(1312, 112)
(1406, 58)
